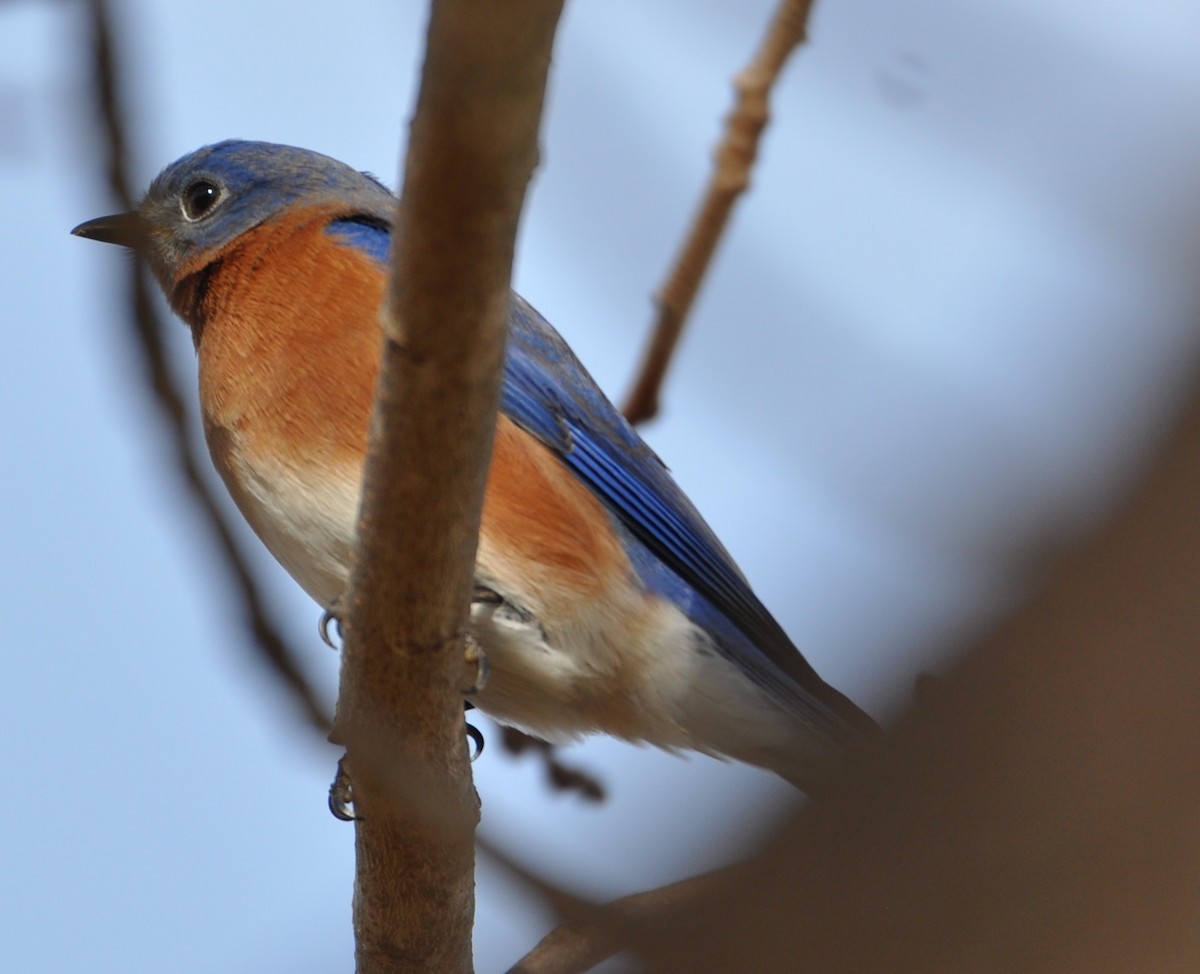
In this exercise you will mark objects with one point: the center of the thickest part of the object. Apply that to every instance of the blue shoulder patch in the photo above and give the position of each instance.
(366, 233)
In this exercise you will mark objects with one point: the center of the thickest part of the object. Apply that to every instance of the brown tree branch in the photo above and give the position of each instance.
(472, 149)
(1037, 813)
(147, 338)
(735, 157)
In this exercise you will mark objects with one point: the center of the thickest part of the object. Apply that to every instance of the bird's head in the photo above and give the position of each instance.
(202, 202)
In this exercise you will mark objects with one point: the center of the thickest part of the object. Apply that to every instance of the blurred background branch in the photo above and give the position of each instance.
(148, 332)
(1039, 813)
(733, 162)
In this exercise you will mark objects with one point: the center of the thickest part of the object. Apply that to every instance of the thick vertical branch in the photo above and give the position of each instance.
(472, 149)
(735, 158)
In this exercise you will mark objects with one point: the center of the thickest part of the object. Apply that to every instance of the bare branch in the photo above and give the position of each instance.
(472, 149)
(592, 933)
(562, 777)
(735, 157)
(147, 337)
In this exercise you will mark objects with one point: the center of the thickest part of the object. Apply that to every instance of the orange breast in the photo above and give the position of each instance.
(537, 511)
(290, 346)
(289, 352)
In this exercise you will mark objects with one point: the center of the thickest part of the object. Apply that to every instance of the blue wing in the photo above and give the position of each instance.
(547, 392)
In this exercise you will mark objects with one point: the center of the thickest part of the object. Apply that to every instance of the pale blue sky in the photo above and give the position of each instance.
(943, 329)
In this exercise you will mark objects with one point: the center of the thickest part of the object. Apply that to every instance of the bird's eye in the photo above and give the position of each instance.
(199, 199)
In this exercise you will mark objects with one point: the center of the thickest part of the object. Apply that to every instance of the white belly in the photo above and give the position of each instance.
(630, 665)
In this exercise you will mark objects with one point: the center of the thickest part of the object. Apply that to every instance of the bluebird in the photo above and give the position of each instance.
(604, 602)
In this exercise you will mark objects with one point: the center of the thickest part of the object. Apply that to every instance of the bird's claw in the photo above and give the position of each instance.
(341, 794)
(476, 736)
(331, 615)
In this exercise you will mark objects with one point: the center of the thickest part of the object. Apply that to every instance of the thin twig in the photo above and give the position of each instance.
(592, 932)
(148, 332)
(562, 777)
(472, 149)
(735, 157)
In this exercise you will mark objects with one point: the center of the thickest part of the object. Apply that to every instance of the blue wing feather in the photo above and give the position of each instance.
(547, 392)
